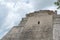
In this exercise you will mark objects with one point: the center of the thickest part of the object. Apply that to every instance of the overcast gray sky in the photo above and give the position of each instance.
(11, 11)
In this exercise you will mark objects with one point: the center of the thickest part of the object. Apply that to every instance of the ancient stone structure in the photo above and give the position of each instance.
(38, 25)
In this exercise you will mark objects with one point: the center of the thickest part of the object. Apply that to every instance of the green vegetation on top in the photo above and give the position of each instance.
(57, 4)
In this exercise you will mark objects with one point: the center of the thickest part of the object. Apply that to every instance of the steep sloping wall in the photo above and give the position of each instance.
(36, 26)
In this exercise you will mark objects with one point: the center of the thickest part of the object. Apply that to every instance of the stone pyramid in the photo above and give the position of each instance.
(35, 26)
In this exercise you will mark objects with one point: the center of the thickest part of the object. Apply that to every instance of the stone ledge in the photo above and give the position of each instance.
(50, 12)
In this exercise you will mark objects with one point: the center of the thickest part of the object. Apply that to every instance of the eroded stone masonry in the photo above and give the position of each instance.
(39, 25)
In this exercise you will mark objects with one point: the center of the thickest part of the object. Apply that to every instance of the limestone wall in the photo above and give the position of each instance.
(44, 29)
(35, 26)
(56, 31)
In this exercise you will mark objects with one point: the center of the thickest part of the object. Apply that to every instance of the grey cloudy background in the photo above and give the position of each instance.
(11, 11)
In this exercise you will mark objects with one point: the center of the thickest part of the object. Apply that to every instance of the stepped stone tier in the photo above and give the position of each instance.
(39, 25)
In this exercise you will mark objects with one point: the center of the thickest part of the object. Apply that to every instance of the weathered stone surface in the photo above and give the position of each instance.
(36, 26)
(56, 31)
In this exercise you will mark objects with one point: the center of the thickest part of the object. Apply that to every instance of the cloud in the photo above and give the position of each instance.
(9, 23)
(38, 5)
(53, 7)
(13, 15)
(3, 13)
